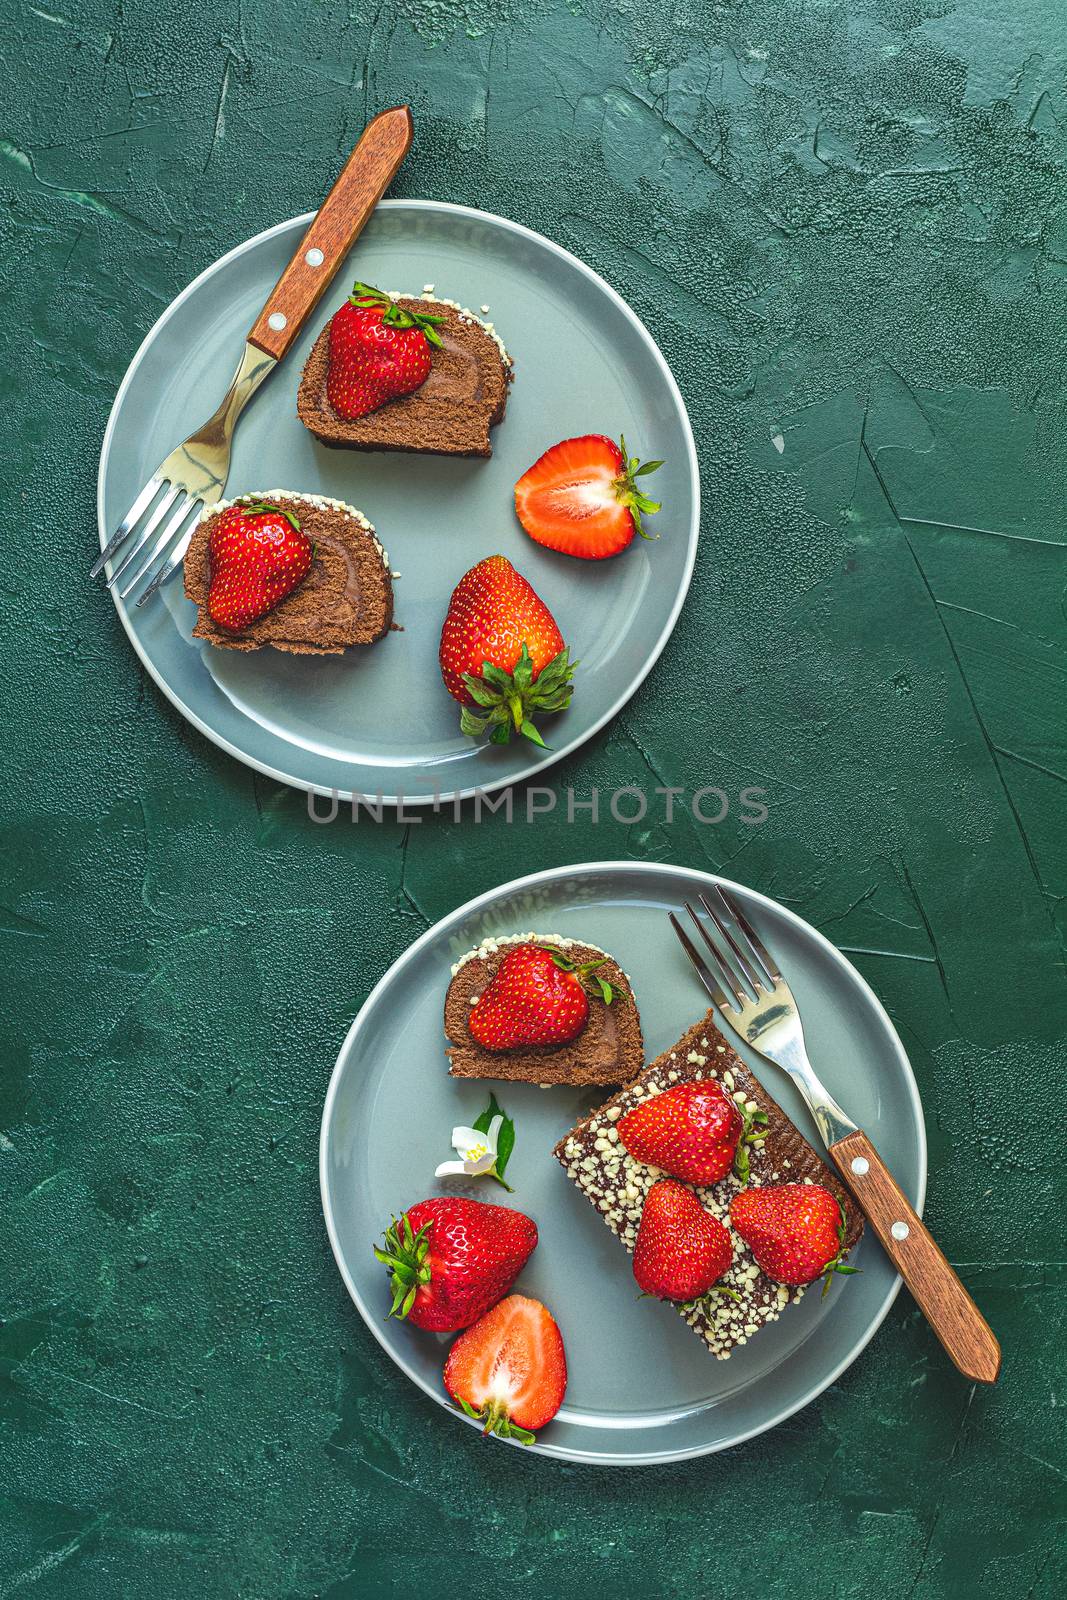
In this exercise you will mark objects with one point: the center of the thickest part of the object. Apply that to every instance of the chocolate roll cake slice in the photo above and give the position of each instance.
(616, 1184)
(345, 599)
(450, 414)
(608, 1050)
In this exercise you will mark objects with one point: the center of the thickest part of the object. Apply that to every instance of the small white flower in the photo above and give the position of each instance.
(477, 1153)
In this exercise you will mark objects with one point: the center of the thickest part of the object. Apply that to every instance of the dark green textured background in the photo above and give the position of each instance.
(847, 225)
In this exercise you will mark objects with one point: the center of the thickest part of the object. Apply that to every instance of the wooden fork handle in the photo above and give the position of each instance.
(940, 1295)
(337, 224)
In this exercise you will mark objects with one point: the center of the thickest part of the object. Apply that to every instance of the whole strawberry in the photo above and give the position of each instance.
(502, 652)
(257, 555)
(536, 997)
(682, 1250)
(377, 350)
(796, 1231)
(691, 1131)
(451, 1259)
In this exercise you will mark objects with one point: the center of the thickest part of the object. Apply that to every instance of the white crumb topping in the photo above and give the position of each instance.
(465, 315)
(490, 945)
(617, 1185)
(322, 501)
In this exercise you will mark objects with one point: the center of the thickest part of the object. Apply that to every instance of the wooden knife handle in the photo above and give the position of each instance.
(337, 224)
(940, 1295)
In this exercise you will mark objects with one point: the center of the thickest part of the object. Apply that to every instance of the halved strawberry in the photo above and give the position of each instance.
(691, 1131)
(509, 1370)
(581, 497)
(258, 555)
(377, 351)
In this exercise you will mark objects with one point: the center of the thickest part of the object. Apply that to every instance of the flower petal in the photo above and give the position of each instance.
(463, 1138)
(451, 1169)
(486, 1163)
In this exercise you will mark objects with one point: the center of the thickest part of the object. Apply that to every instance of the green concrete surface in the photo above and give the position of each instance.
(846, 221)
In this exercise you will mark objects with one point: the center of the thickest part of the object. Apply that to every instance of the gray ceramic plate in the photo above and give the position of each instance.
(641, 1387)
(378, 721)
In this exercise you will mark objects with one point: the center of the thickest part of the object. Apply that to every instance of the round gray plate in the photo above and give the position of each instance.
(378, 721)
(641, 1386)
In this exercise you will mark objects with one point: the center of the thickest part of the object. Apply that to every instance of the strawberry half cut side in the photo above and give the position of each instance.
(510, 700)
(509, 1371)
(582, 497)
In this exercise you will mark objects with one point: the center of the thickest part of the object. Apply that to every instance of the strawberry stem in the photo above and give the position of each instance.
(257, 508)
(837, 1264)
(630, 495)
(393, 315)
(405, 1255)
(607, 993)
(507, 701)
(496, 1420)
(753, 1131)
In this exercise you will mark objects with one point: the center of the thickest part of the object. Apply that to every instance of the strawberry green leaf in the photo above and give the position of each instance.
(630, 495)
(396, 316)
(705, 1302)
(405, 1255)
(511, 699)
(257, 508)
(497, 675)
(523, 673)
(471, 724)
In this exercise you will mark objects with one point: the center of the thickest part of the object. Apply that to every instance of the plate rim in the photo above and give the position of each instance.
(692, 533)
(372, 1321)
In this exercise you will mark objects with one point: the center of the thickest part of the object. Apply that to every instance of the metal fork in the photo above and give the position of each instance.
(191, 477)
(757, 1004)
(195, 473)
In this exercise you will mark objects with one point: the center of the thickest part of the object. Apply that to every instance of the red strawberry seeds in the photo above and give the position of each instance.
(796, 1231)
(377, 350)
(691, 1131)
(257, 556)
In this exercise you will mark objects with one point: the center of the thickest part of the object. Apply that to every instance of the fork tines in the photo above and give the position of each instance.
(175, 499)
(739, 962)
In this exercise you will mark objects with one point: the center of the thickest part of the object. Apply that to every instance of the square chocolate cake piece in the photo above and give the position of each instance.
(616, 1184)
